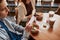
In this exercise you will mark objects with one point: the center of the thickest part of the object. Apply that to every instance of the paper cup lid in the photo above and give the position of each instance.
(51, 12)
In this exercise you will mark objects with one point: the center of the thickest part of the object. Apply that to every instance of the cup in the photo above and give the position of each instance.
(51, 23)
(34, 30)
(44, 25)
(39, 17)
(51, 13)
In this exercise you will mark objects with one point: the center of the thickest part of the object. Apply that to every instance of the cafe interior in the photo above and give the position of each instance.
(43, 15)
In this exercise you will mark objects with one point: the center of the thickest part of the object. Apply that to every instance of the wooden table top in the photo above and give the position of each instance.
(47, 35)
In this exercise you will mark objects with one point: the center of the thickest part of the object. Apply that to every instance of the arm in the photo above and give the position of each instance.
(25, 33)
(33, 5)
(25, 30)
(3, 35)
(17, 27)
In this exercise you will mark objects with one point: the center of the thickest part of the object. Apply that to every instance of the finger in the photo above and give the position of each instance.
(30, 28)
(27, 28)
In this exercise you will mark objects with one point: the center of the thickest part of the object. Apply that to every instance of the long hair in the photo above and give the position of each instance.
(28, 7)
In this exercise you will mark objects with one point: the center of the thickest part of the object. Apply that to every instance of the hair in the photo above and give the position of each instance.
(1, 1)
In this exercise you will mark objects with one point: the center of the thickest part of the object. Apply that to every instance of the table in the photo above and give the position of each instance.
(46, 35)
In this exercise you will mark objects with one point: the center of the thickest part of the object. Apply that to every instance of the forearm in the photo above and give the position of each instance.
(17, 27)
(25, 35)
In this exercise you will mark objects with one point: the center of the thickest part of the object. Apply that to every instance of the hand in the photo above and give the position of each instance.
(29, 16)
(35, 25)
(28, 28)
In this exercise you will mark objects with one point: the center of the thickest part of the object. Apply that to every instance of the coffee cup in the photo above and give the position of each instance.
(51, 13)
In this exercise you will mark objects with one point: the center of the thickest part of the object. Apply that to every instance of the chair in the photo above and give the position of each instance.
(47, 3)
(21, 12)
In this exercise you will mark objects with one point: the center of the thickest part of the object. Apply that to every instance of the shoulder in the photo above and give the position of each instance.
(3, 34)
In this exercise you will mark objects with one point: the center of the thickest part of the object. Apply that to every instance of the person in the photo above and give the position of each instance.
(28, 6)
(20, 12)
(9, 30)
(24, 10)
